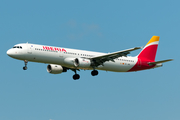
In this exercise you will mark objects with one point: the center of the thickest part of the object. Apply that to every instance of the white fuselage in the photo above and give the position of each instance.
(58, 55)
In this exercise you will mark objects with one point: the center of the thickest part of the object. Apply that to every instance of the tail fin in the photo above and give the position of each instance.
(149, 51)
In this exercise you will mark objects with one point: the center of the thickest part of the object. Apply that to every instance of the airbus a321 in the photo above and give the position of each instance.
(61, 59)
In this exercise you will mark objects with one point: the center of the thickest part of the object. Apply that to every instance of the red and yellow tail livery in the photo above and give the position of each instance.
(149, 51)
(146, 58)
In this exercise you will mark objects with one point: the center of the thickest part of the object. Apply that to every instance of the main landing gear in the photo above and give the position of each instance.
(25, 67)
(75, 76)
(94, 73)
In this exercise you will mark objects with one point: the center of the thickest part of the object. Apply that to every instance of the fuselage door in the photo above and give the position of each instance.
(29, 48)
(61, 54)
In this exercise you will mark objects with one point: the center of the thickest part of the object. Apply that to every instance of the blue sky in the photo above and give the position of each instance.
(96, 25)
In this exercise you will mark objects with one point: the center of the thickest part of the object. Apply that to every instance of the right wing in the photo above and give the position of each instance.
(99, 60)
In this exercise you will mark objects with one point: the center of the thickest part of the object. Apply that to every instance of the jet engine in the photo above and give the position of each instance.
(82, 62)
(54, 69)
(78, 62)
(70, 62)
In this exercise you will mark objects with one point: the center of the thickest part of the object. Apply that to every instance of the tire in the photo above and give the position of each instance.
(76, 76)
(94, 73)
(24, 68)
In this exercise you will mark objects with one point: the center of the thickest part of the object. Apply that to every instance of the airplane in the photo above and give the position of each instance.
(60, 59)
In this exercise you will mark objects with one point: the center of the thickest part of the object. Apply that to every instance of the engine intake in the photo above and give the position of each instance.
(54, 69)
(82, 62)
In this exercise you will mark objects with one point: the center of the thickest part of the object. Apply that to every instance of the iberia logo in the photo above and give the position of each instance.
(54, 48)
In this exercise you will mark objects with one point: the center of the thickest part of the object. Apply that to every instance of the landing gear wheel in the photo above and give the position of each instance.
(24, 68)
(76, 76)
(94, 73)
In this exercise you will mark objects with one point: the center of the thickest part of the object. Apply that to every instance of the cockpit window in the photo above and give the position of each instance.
(19, 47)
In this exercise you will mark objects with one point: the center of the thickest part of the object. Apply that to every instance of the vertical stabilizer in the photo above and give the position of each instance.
(149, 51)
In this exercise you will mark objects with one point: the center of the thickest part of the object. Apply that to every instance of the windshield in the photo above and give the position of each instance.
(19, 47)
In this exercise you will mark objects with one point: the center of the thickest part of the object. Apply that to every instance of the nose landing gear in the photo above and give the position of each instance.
(25, 67)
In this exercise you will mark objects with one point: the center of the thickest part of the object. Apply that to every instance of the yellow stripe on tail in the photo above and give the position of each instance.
(153, 39)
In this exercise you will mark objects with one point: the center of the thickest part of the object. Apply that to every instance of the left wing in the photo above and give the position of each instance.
(99, 60)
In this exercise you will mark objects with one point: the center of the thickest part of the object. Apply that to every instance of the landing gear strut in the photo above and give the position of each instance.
(25, 67)
(75, 76)
(94, 73)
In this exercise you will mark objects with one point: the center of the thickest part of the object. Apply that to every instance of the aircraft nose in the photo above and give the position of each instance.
(10, 53)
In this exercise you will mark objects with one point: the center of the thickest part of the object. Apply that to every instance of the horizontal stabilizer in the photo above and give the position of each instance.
(162, 61)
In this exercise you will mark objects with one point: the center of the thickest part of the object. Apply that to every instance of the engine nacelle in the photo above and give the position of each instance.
(82, 62)
(54, 69)
(70, 62)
